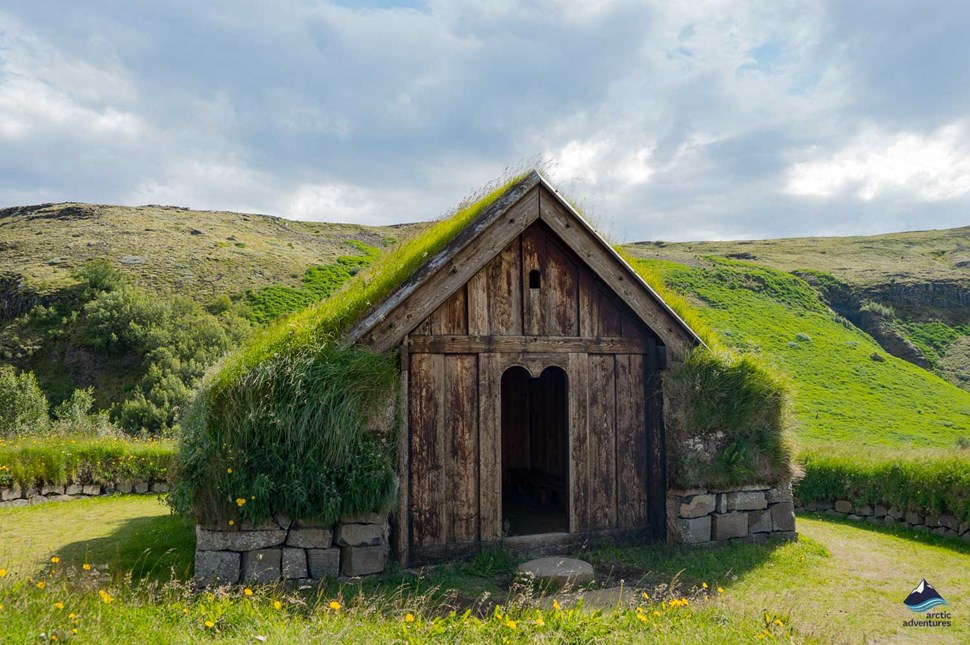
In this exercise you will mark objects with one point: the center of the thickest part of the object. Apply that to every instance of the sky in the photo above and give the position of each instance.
(663, 120)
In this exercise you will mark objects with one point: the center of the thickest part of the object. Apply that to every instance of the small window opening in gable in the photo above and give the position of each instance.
(535, 279)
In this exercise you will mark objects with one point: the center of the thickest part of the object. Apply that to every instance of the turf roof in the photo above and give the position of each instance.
(323, 323)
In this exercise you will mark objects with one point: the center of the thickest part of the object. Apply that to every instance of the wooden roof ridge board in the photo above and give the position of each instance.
(390, 321)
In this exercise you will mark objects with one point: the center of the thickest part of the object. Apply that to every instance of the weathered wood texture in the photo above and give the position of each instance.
(536, 287)
(532, 302)
(444, 469)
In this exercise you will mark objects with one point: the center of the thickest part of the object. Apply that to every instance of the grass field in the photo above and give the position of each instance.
(847, 389)
(841, 583)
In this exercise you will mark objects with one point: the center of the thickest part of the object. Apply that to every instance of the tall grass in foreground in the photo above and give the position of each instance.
(87, 606)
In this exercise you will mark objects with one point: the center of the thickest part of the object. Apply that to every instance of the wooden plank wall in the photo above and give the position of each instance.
(454, 415)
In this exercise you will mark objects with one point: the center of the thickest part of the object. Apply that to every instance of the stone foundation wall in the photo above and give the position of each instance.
(12, 496)
(748, 513)
(943, 525)
(291, 550)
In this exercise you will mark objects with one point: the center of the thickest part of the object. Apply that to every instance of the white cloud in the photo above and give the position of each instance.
(930, 167)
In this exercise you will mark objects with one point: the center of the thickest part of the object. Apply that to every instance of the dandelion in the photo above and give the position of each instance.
(540, 622)
(86, 566)
(3, 573)
(247, 591)
(41, 584)
(555, 605)
(210, 624)
(656, 613)
(720, 590)
(277, 605)
(703, 585)
(106, 598)
(232, 523)
(334, 605)
(642, 618)
(72, 615)
(59, 605)
(229, 470)
(409, 617)
(240, 501)
(510, 624)
(55, 560)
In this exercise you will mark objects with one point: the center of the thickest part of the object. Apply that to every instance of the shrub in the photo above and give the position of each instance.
(291, 437)
(98, 275)
(23, 406)
(726, 422)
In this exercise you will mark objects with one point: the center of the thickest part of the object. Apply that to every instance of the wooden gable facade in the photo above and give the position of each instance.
(531, 363)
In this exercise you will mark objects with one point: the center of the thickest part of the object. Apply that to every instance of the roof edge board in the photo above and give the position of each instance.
(619, 258)
(494, 211)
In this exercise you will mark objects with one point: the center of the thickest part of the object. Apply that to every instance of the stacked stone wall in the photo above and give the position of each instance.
(14, 496)
(298, 550)
(748, 513)
(943, 525)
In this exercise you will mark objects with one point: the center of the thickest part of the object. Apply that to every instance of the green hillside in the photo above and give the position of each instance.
(847, 389)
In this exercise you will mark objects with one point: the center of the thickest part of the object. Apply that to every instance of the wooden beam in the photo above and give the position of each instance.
(524, 344)
(402, 523)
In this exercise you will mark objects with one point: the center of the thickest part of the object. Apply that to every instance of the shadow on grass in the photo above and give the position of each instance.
(953, 544)
(680, 567)
(149, 548)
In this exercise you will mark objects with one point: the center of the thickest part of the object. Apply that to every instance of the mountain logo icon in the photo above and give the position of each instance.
(923, 598)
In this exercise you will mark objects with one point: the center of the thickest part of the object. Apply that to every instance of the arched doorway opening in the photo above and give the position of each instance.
(535, 452)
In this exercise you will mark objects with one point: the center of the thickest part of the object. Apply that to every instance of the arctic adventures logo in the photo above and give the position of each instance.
(922, 599)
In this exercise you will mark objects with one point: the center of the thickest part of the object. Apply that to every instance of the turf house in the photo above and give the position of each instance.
(506, 378)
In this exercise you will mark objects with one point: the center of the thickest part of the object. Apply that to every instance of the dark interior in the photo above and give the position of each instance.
(535, 462)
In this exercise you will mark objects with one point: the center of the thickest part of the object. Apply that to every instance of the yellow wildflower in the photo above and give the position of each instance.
(277, 604)
(72, 615)
(74, 631)
(703, 585)
(232, 522)
(720, 590)
(41, 584)
(229, 470)
(540, 622)
(210, 624)
(106, 598)
(555, 605)
(247, 591)
(55, 560)
(3, 573)
(510, 624)
(59, 605)
(334, 605)
(240, 501)
(779, 623)
(646, 596)
(656, 613)
(86, 566)
(642, 618)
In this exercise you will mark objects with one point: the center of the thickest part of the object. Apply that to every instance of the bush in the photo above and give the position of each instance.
(294, 436)
(932, 482)
(97, 276)
(726, 422)
(23, 406)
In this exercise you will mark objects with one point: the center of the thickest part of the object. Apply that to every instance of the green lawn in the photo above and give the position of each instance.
(842, 582)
